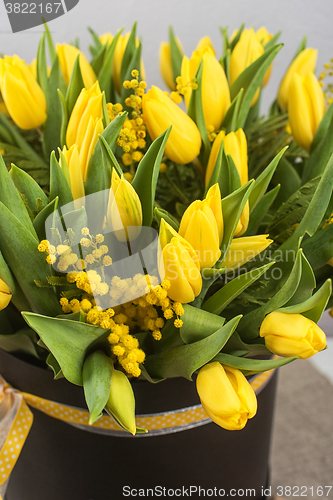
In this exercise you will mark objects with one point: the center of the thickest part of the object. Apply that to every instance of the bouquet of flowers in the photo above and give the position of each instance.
(147, 234)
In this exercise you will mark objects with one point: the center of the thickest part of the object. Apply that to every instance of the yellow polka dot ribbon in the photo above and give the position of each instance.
(16, 420)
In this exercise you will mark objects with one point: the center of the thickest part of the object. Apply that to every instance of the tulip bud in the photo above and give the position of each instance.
(159, 111)
(204, 43)
(67, 56)
(199, 227)
(88, 104)
(23, 97)
(306, 108)
(72, 159)
(303, 64)
(166, 64)
(121, 402)
(181, 265)
(246, 51)
(226, 396)
(244, 249)
(5, 295)
(124, 209)
(292, 335)
(118, 59)
(264, 37)
(106, 38)
(215, 92)
(87, 147)
(235, 145)
(213, 198)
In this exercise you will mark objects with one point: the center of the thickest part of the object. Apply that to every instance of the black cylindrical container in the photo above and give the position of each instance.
(61, 462)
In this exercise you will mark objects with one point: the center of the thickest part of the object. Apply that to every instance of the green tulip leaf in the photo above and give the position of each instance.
(110, 161)
(221, 165)
(96, 177)
(58, 184)
(53, 124)
(236, 347)
(252, 366)
(146, 176)
(314, 306)
(27, 186)
(105, 72)
(198, 324)
(229, 122)
(160, 213)
(306, 285)
(10, 197)
(322, 153)
(19, 141)
(287, 176)
(176, 55)
(262, 182)
(52, 50)
(64, 118)
(319, 248)
(55, 367)
(41, 66)
(98, 57)
(236, 38)
(75, 86)
(223, 297)
(128, 54)
(98, 44)
(260, 211)
(15, 236)
(39, 221)
(250, 80)
(322, 128)
(69, 341)
(96, 376)
(135, 63)
(232, 207)
(184, 360)
(250, 323)
(316, 209)
(22, 342)
(6, 274)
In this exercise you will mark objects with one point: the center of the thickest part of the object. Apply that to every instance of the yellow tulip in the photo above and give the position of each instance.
(205, 42)
(246, 51)
(303, 64)
(181, 265)
(67, 56)
(306, 108)
(292, 335)
(118, 59)
(215, 92)
(124, 209)
(88, 104)
(159, 111)
(199, 227)
(213, 198)
(244, 249)
(87, 147)
(166, 64)
(23, 97)
(72, 158)
(106, 38)
(121, 402)
(5, 295)
(264, 37)
(235, 144)
(226, 396)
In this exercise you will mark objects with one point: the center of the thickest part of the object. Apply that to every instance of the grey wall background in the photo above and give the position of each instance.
(191, 19)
